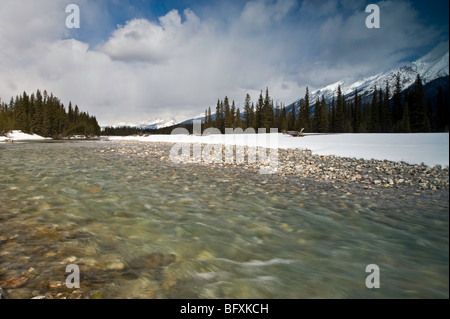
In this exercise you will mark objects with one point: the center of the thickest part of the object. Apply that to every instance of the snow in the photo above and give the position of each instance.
(20, 136)
(428, 148)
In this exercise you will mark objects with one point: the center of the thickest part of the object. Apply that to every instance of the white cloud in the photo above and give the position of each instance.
(180, 64)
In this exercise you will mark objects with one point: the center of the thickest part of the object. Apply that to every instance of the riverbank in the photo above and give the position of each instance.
(345, 175)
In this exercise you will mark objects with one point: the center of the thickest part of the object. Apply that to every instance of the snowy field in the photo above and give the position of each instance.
(429, 148)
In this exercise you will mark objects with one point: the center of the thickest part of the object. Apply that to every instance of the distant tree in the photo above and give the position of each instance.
(238, 122)
(339, 116)
(253, 116)
(374, 113)
(247, 111)
(259, 111)
(267, 116)
(210, 121)
(397, 104)
(306, 111)
(291, 118)
(332, 116)
(228, 120)
(404, 124)
(385, 114)
(233, 115)
(283, 119)
(418, 109)
(45, 115)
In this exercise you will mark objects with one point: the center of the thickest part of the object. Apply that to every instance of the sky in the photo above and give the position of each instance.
(137, 60)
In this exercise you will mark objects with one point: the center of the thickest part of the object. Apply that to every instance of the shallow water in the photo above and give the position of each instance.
(234, 233)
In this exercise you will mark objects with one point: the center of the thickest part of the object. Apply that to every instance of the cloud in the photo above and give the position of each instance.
(180, 63)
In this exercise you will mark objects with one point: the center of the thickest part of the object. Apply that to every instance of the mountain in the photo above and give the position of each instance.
(149, 124)
(430, 67)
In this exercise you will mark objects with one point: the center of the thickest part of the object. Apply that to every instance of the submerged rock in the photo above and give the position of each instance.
(14, 283)
(153, 260)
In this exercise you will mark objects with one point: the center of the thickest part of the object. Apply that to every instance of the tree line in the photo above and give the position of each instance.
(45, 115)
(386, 112)
(126, 131)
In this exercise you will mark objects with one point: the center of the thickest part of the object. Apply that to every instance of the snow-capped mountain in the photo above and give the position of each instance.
(432, 66)
(150, 124)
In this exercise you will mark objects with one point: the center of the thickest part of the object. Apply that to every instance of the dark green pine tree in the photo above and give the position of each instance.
(3, 118)
(247, 111)
(283, 121)
(317, 116)
(304, 119)
(323, 126)
(386, 120)
(38, 117)
(238, 122)
(374, 113)
(209, 121)
(259, 112)
(397, 103)
(267, 117)
(332, 116)
(218, 115)
(418, 109)
(233, 115)
(228, 118)
(339, 116)
(21, 113)
(404, 124)
(440, 113)
(253, 116)
(357, 119)
(291, 121)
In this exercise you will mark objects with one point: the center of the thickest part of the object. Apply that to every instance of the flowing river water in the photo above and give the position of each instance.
(139, 227)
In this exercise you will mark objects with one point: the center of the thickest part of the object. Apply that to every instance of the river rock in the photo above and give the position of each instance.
(14, 283)
(153, 260)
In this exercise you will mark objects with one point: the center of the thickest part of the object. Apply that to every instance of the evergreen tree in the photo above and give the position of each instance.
(253, 116)
(333, 116)
(404, 124)
(385, 119)
(317, 116)
(374, 113)
(291, 118)
(283, 122)
(397, 104)
(339, 116)
(247, 111)
(38, 117)
(306, 111)
(439, 119)
(418, 109)
(228, 121)
(267, 116)
(210, 121)
(302, 121)
(323, 124)
(238, 122)
(259, 112)
(232, 115)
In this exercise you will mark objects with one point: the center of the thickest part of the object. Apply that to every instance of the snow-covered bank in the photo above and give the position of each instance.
(429, 148)
(20, 136)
